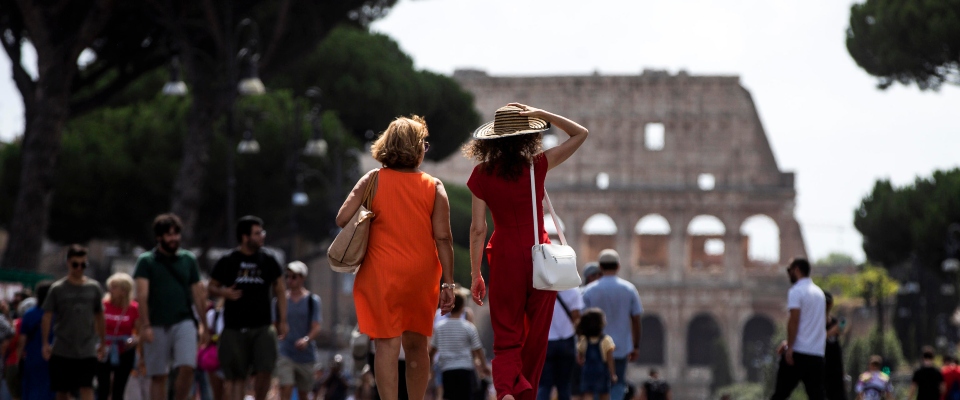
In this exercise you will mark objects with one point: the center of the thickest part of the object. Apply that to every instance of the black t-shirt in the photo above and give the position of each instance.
(656, 389)
(255, 276)
(928, 381)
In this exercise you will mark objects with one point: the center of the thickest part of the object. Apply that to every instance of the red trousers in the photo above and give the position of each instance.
(520, 316)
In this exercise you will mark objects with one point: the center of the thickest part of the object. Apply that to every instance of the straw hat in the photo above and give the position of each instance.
(509, 122)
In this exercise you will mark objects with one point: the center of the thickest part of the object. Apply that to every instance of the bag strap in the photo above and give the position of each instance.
(565, 308)
(553, 214)
(371, 189)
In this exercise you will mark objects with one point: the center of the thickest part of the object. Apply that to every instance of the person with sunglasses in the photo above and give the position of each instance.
(73, 309)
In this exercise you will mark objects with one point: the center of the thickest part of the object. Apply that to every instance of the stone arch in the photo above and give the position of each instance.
(703, 334)
(761, 241)
(705, 244)
(653, 342)
(599, 232)
(651, 242)
(756, 349)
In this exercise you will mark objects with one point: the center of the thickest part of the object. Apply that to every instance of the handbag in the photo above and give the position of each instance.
(350, 246)
(208, 359)
(554, 265)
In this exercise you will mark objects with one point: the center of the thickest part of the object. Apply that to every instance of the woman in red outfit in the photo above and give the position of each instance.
(120, 314)
(520, 314)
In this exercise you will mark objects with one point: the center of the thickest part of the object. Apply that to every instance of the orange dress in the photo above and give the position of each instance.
(397, 288)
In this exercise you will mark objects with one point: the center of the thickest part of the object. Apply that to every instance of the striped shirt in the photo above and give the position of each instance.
(455, 340)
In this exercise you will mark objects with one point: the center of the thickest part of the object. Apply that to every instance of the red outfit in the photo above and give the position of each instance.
(951, 375)
(117, 322)
(520, 314)
(11, 350)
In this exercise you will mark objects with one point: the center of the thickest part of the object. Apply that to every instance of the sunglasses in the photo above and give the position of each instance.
(426, 146)
(81, 265)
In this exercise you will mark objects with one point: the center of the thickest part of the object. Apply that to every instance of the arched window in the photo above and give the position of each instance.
(703, 335)
(652, 342)
(762, 238)
(757, 350)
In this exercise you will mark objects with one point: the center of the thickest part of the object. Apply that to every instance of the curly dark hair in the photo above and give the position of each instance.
(592, 322)
(506, 157)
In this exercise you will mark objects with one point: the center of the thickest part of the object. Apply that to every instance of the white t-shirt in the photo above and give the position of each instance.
(811, 332)
(561, 327)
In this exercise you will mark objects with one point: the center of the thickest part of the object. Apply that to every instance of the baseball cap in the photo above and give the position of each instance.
(591, 269)
(609, 256)
(298, 268)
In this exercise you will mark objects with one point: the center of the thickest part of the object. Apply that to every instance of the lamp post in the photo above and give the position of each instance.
(248, 84)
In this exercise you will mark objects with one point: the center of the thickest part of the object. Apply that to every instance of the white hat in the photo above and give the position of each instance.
(298, 268)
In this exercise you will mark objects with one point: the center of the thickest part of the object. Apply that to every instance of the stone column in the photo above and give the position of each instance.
(732, 241)
(677, 246)
(625, 245)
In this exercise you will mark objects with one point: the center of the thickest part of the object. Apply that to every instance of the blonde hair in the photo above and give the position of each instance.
(401, 145)
(123, 281)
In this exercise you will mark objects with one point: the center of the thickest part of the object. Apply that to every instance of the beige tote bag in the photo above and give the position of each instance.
(350, 246)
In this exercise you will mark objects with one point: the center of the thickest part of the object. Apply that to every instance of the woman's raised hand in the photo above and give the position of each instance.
(530, 111)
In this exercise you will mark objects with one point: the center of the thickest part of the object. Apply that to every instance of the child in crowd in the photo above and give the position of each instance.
(595, 355)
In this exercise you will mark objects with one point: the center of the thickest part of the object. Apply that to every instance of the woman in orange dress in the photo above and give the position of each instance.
(397, 287)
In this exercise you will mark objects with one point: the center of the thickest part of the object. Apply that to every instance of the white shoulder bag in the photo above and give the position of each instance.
(554, 265)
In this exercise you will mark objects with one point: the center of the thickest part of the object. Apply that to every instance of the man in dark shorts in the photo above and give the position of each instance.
(248, 343)
(655, 389)
(74, 310)
(927, 382)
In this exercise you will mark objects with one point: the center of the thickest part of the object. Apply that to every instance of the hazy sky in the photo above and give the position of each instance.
(823, 115)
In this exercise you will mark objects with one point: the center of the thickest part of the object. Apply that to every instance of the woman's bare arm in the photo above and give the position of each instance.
(563, 151)
(353, 201)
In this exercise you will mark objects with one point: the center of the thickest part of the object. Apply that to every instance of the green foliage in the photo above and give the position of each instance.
(118, 164)
(369, 81)
(720, 366)
(907, 41)
(837, 260)
(870, 282)
(115, 171)
(741, 391)
(899, 223)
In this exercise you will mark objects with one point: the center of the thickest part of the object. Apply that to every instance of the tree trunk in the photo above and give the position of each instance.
(40, 150)
(188, 186)
(212, 97)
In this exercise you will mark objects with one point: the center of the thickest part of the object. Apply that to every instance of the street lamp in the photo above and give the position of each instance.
(316, 146)
(175, 86)
(249, 144)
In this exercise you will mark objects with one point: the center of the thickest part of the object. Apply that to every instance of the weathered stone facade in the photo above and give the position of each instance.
(711, 158)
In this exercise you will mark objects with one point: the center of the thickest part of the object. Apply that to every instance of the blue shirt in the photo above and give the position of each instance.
(619, 301)
(299, 323)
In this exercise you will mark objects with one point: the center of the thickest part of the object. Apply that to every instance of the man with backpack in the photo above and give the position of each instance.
(655, 389)
(295, 364)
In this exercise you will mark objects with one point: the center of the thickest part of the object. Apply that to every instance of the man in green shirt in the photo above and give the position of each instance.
(168, 288)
